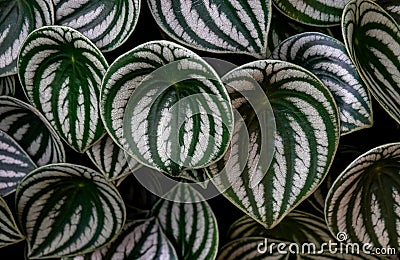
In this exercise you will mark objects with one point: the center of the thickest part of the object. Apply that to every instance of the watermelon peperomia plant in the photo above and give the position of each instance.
(200, 129)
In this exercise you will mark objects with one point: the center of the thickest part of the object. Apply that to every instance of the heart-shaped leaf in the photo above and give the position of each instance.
(111, 160)
(9, 232)
(31, 130)
(67, 209)
(315, 13)
(108, 24)
(364, 201)
(61, 72)
(327, 58)
(166, 107)
(297, 227)
(140, 239)
(216, 26)
(189, 223)
(17, 20)
(372, 38)
(14, 164)
(7, 86)
(306, 139)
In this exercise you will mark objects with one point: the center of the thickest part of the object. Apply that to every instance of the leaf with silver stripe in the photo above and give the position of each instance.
(17, 20)
(166, 107)
(61, 73)
(111, 160)
(364, 201)
(198, 176)
(31, 130)
(9, 232)
(14, 164)
(297, 227)
(216, 26)
(140, 239)
(108, 24)
(312, 12)
(327, 58)
(372, 39)
(189, 224)
(7, 86)
(306, 139)
(278, 33)
(67, 209)
(392, 7)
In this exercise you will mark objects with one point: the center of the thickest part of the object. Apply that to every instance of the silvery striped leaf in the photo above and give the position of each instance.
(67, 209)
(189, 224)
(108, 24)
(392, 7)
(216, 26)
(372, 38)
(140, 239)
(17, 20)
(278, 33)
(9, 232)
(111, 160)
(327, 58)
(7, 86)
(306, 139)
(14, 164)
(313, 12)
(61, 72)
(364, 201)
(166, 107)
(344, 156)
(198, 176)
(297, 227)
(31, 130)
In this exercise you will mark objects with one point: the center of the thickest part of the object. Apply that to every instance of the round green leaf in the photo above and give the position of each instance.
(31, 130)
(166, 107)
(327, 58)
(61, 72)
(189, 223)
(111, 160)
(364, 201)
(7, 86)
(216, 26)
(18, 19)
(14, 164)
(9, 232)
(306, 139)
(313, 12)
(67, 209)
(107, 23)
(372, 39)
(140, 239)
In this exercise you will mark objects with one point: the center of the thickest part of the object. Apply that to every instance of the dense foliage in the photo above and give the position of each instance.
(199, 129)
